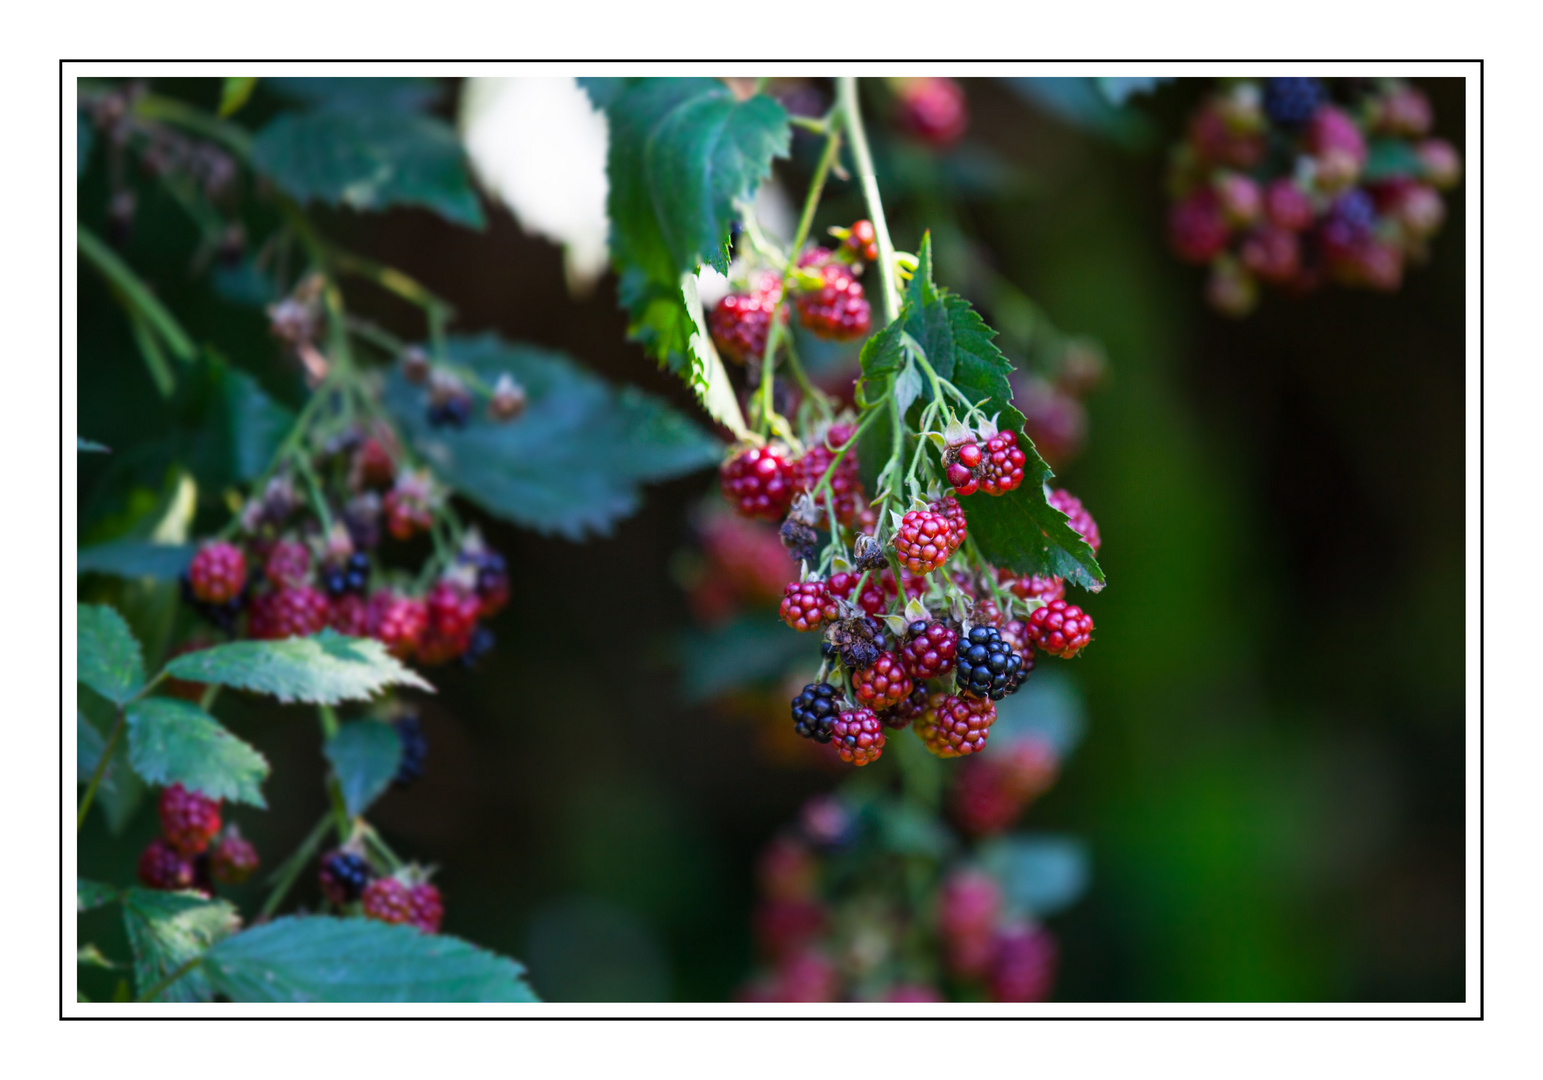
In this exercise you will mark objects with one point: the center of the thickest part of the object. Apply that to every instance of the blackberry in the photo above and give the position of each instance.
(344, 876)
(987, 666)
(349, 577)
(900, 715)
(814, 711)
(415, 751)
(931, 651)
(1292, 102)
(453, 412)
(221, 616)
(481, 643)
(387, 900)
(800, 539)
(858, 736)
(162, 866)
(859, 641)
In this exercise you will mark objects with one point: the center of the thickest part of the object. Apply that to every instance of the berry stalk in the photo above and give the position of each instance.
(852, 117)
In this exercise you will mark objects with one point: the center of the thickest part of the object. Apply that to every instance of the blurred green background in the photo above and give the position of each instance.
(1272, 782)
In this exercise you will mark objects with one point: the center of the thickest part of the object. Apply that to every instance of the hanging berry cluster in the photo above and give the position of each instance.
(965, 634)
(193, 851)
(827, 927)
(1296, 183)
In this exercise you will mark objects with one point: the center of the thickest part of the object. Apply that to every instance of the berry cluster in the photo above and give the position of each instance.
(193, 852)
(1294, 184)
(287, 574)
(827, 930)
(405, 896)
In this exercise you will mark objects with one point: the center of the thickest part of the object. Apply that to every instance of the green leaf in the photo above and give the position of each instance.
(364, 755)
(393, 93)
(324, 959)
(1083, 103)
(325, 669)
(682, 153)
(107, 656)
(84, 135)
(255, 423)
(1117, 91)
(574, 462)
(369, 159)
(135, 559)
(1020, 530)
(86, 446)
(705, 373)
(176, 742)
(89, 955)
(234, 93)
(1040, 875)
(91, 894)
(166, 930)
(89, 748)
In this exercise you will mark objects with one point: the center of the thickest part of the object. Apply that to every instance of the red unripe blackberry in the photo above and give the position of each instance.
(1215, 138)
(188, 820)
(1077, 516)
(783, 927)
(406, 516)
(1440, 163)
(425, 907)
(1419, 210)
(1060, 629)
(398, 622)
(217, 573)
(1338, 149)
(387, 900)
(968, 905)
(882, 684)
(811, 466)
(1055, 421)
(1034, 587)
(1239, 198)
(963, 480)
(343, 876)
(807, 977)
(1404, 111)
(1287, 206)
(933, 109)
(953, 726)
(1196, 227)
(1272, 254)
(1015, 634)
(758, 481)
(288, 563)
(1024, 966)
(961, 464)
(807, 605)
(949, 509)
(858, 736)
(1002, 471)
(452, 620)
(741, 321)
(350, 615)
(286, 612)
(924, 541)
(862, 241)
(787, 870)
(374, 465)
(162, 866)
(837, 310)
(931, 650)
(233, 859)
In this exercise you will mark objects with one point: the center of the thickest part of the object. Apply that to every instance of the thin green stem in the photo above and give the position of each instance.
(805, 224)
(284, 877)
(159, 986)
(340, 816)
(135, 293)
(101, 768)
(313, 489)
(852, 118)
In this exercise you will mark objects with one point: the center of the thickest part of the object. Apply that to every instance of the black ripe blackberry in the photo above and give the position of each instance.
(223, 616)
(1292, 102)
(988, 667)
(814, 711)
(350, 576)
(454, 412)
(344, 876)
(415, 751)
(481, 643)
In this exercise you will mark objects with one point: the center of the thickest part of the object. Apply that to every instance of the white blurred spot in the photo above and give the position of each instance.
(539, 146)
